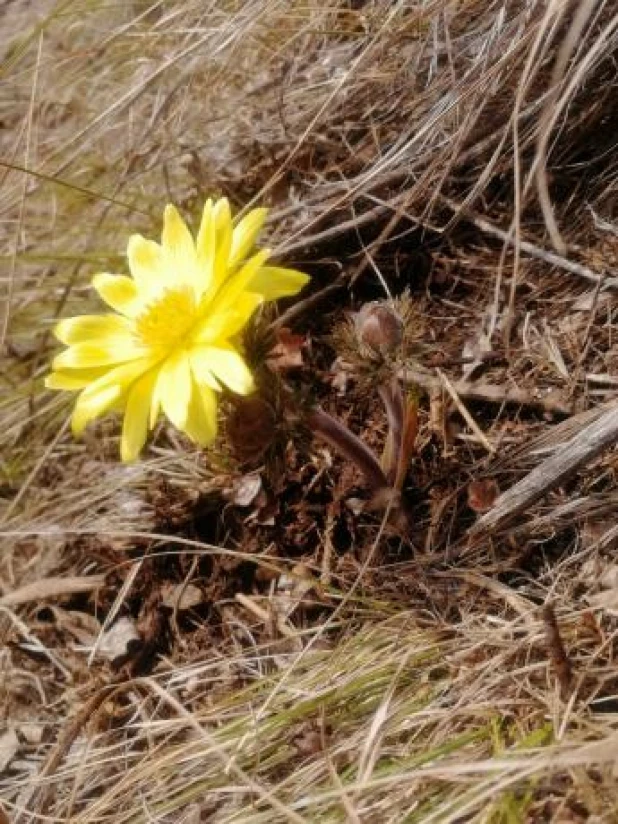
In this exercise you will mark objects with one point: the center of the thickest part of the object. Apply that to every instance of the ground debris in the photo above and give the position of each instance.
(240, 633)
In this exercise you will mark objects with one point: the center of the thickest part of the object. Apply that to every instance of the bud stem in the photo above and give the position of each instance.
(339, 436)
(392, 398)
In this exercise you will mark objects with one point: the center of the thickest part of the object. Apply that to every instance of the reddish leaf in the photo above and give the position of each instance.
(408, 441)
(287, 352)
(482, 495)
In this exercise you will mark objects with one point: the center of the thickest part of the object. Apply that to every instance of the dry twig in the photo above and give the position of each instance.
(580, 450)
(532, 249)
(481, 392)
(52, 588)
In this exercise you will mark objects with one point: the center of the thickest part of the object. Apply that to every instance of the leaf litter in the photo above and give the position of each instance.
(288, 651)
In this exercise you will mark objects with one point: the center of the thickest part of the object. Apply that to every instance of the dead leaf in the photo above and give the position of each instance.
(340, 374)
(115, 642)
(408, 442)
(287, 353)
(31, 733)
(292, 591)
(608, 579)
(606, 600)
(82, 626)
(482, 495)
(181, 597)
(309, 741)
(266, 510)
(9, 745)
(246, 489)
(590, 299)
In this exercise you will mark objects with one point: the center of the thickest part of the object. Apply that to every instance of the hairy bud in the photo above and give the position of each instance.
(379, 327)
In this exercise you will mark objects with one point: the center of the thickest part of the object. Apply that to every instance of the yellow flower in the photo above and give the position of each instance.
(170, 343)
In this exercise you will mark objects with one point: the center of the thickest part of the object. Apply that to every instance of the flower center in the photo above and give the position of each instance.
(167, 320)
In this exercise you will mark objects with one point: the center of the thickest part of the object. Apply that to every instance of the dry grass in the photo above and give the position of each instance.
(328, 670)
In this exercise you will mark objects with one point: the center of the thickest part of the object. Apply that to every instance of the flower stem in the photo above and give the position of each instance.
(392, 398)
(339, 436)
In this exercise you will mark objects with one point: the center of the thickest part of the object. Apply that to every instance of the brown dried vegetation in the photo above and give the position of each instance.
(245, 635)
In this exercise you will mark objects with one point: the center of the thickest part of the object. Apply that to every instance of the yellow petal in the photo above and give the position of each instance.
(106, 352)
(173, 388)
(119, 292)
(226, 365)
(206, 247)
(245, 235)
(102, 394)
(155, 406)
(178, 248)
(135, 423)
(74, 378)
(223, 224)
(91, 405)
(147, 264)
(201, 370)
(86, 328)
(236, 285)
(273, 282)
(201, 425)
(223, 325)
(162, 385)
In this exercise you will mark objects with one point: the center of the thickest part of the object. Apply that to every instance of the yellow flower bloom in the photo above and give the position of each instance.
(170, 345)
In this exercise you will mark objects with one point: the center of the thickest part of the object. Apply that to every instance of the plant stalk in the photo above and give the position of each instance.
(339, 436)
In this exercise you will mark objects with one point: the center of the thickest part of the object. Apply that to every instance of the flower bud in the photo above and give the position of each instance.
(379, 327)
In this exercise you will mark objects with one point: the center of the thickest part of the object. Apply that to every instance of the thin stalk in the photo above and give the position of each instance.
(339, 436)
(392, 398)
